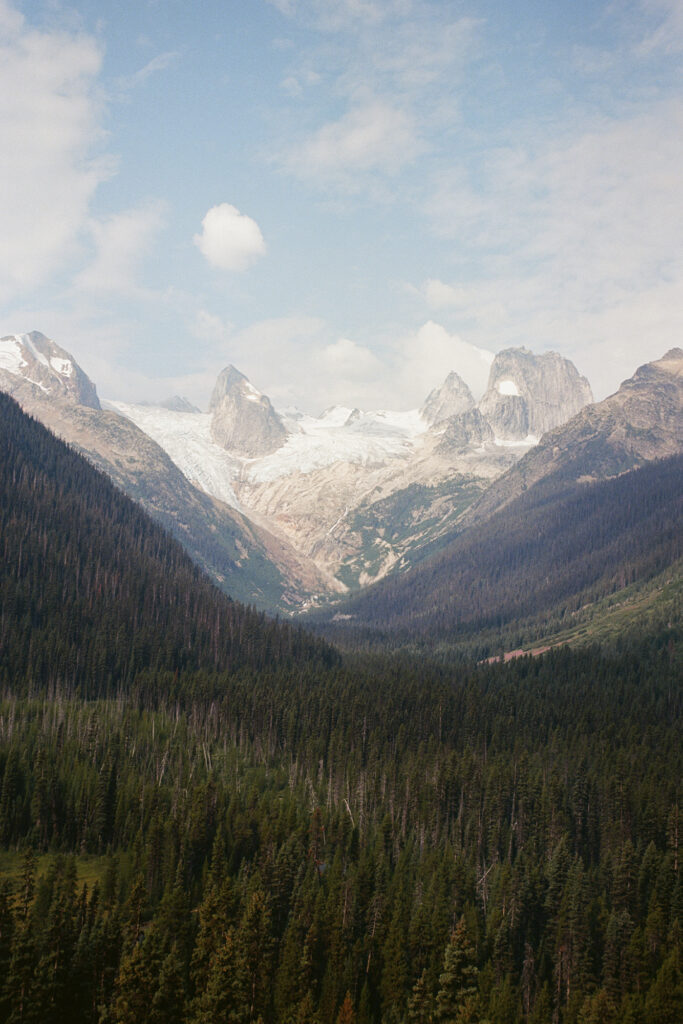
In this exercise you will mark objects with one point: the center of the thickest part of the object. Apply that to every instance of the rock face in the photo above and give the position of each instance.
(178, 404)
(530, 394)
(31, 364)
(451, 399)
(639, 422)
(319, 504)
(246, 559)
(244, 422)
(468, 430)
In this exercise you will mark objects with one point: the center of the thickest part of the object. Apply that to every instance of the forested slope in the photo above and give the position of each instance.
(277, 835)
(389, 840)
(553, 550)
(92, 591)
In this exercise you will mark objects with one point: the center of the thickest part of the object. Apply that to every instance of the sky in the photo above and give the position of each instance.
(346, 199)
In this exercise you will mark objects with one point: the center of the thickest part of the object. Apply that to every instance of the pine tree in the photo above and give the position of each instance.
(458, 980)
(168, 1003)
(346, 1014)
(228, 991)
(421, 1002)
(7, 928)
(136, 982)
(664, 1000)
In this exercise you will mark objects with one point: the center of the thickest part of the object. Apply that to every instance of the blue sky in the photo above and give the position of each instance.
(344, 198)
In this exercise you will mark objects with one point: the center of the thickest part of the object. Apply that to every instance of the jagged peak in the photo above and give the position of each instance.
(244, 421)
(233, 381)
(529, 394)
(449, 399)
(36, 362)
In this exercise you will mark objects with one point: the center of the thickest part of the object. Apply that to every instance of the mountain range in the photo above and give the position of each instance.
(291, 511)
(207, 814)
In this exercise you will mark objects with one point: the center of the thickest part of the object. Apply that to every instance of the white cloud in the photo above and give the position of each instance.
(441, 296)
(424, 359)
(372, 137)
(297, 361)
(49, 121)
(667, 36)
(156, 64)
(572, 237)
(121, 242)
(230, 240)
(209, 327)
(396, 66)
(347, 361)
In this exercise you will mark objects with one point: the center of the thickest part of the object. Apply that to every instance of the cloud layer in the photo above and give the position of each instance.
(230, 240)
(50, 116)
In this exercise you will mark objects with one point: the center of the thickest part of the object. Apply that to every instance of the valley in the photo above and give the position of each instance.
(192, 793)
(292, 510)
(341, 512)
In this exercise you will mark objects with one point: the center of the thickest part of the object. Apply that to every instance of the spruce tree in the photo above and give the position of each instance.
(458, 980)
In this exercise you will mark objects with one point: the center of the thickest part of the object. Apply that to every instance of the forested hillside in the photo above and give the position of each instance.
(92, 592)
(272, 833)
(385, 843)
(531, 567)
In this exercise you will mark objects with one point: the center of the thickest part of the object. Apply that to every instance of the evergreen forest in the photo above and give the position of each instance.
(207, 816)
(530, 569)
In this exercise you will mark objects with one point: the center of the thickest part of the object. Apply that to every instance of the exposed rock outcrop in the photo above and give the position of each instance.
(468, 430)
(451, 399)
(641, 421)
(177, 403)
(529, 394)
(31, 364)
(244, 422)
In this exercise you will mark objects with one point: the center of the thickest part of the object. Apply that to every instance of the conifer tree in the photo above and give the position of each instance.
(458, 981)
(168, 1003)
(346, 1013)
(228, 990)
(420, 1002)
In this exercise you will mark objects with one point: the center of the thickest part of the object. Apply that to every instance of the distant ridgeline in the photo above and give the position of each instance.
(532, 567)
(92, 592)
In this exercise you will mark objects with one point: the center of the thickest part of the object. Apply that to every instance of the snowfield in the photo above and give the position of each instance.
(186, 439)
(11, 358)
(339, 435)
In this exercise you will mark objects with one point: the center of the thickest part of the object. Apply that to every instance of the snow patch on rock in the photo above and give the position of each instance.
(62, 366)
(11, 358)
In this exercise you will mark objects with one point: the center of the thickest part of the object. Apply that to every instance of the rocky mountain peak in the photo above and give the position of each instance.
(467, 430)
(452, 398)
(671, 362)
(228, 381)
(32, 365)
(530, 394)
(178, 403)
(244, 421)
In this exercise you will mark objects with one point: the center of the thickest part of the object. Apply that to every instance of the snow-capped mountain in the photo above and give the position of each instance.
(361, 492)
(31, 364)
(243, 421)
(311, 505)
(240, 553)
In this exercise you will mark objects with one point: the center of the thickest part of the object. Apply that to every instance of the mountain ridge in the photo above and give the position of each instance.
(241, 555)
(331, 504)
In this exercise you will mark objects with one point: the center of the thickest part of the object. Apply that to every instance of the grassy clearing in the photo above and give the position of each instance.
(634, 608)
(88, 869)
